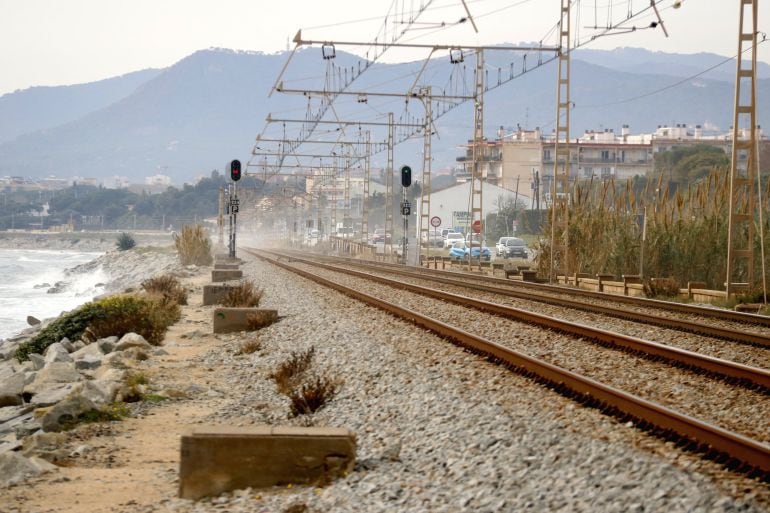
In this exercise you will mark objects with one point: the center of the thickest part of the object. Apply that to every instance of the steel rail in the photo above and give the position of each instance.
(751, 377)
(736, 451)
(728, 315)
(657, 320)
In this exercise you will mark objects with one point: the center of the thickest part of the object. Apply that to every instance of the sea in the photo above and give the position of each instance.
(26, 276)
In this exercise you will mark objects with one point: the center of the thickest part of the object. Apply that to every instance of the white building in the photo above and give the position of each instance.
(453, 204)
(161, 180)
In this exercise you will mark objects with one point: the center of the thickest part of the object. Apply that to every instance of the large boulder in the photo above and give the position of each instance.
(87, 363)
(57, 353)
(53, 395)
(11, 389)
(66, 344)
(52, 374)
(49, 446)
(107, 345)
(130, 340)
(15, 468)
(64, 414)
(37, 361)
(98, 391)
(89, 350)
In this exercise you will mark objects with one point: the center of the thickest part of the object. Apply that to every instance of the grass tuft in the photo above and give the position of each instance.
(249, 347)
(193, 245)
(244, 295)
(125, 241)
(167, 286)
(289, 372)
(311, 396)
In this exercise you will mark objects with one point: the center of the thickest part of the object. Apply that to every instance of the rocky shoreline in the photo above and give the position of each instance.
(77, 241)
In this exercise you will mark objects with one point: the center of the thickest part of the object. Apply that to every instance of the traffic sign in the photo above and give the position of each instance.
(476, 226)
(435, 221)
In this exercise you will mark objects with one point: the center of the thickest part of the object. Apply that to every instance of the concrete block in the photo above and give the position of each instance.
(226, 274)
(227, 320)
(219, 459)
(213, 294)
(224, 266)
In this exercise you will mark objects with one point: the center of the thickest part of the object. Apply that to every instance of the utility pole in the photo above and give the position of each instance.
(743, 168)
(560, 189)
(367, 171)
(425, 189)
(477, 211)
(220, 217)
(389, 188)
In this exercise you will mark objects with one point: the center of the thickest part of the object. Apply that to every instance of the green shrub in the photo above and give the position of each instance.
(193, 246)
(125, 241)
(115, 315)
(167, 286)
(245, 295)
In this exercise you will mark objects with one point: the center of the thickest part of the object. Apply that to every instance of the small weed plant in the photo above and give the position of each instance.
(312, 395)
(193, 245)
(249, 347)
(290, 372)
(125, 241)
(246, 295)
(167, 286)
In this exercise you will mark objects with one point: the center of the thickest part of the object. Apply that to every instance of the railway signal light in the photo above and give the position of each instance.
(235, 170)
(406, 176)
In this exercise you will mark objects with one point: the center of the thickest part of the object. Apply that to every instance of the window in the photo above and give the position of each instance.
(605, 154)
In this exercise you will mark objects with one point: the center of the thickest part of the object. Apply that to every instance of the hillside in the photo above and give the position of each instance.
(207, 109)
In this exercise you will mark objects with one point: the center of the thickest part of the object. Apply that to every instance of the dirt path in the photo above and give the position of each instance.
(133, 464)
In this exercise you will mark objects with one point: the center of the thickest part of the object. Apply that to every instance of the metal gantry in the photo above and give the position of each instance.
(478, 151)
(560, 185)
(743, 169)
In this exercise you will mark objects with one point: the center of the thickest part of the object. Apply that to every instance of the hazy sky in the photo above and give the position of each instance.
(55, 42)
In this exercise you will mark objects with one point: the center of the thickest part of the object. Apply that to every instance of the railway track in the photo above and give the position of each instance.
(547, 293)
(736, 450)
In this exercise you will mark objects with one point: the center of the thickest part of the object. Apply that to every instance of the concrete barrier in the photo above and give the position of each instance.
(218, 275)
(213, 294)
(219, 459)
(227, 320)
(224, 266)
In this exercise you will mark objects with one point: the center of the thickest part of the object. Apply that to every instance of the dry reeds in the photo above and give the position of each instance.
(250, 346)
(311, 396)
(308, 391)
(686, 230)
(290, 372)
(244, 295)
(167, 286)
(193, 246)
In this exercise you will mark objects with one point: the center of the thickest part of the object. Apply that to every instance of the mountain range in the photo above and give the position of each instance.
(203, 111)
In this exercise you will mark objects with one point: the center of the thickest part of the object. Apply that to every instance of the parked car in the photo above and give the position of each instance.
(501, 245)
(460, 250)
(432, 239)
(515, 248)
(451, 238)
(379, 235)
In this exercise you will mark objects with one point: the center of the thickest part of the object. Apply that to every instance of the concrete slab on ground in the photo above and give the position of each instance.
(219, 275)
(219, 459)
(227, 320)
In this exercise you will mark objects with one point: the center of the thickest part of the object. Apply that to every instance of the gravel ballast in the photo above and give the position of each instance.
(440, 429)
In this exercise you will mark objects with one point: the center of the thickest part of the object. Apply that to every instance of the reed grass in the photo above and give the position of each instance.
(686, 233)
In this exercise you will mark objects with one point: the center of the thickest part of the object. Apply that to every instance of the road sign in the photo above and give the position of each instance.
(476, 226)
(435, 221)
